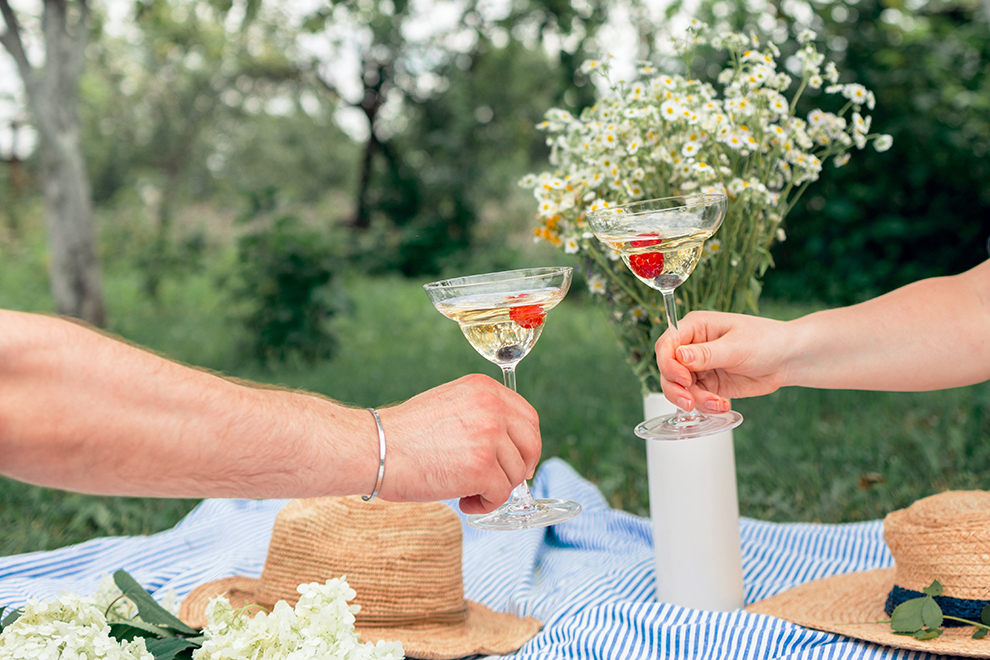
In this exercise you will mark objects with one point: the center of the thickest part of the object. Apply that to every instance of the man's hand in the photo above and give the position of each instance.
(472, 438)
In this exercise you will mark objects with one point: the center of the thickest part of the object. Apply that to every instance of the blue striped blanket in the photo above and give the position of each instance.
(590, 580)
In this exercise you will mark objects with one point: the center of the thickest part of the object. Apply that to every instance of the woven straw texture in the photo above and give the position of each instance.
(409, 557)
(402, 560)
(944, 537)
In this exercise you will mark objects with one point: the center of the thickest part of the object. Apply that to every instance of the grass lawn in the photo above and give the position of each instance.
(802, 455)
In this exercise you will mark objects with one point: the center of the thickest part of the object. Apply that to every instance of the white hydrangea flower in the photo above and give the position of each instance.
(320, 626)
(68, 627)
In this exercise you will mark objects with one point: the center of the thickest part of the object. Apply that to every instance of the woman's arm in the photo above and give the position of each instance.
(931, 334)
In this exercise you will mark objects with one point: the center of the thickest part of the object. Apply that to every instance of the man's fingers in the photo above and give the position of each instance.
(523, 428)
(476, 504)
(473, 505)
(512, 463)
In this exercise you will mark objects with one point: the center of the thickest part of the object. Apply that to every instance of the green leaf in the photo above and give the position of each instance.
(907, 616)
(148, 608)
(980, 633)
(929, 633)
(167, 649)
(985, 615)
(934, 589)
(125, 631)
(931, 613)
(11, 617)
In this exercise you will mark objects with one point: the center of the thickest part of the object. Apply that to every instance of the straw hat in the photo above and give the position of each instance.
(944, 537)
(404, 562)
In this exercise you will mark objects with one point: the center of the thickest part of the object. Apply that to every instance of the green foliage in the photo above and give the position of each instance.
(8, 617)
(468, 98)
(463, 149)
(922, 617)
(286, 280)
(149, 611)
(303, 154)
(923, 208)
(37, 518)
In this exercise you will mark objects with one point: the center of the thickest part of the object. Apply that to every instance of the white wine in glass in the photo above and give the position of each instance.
(502, 316)
(661, 240)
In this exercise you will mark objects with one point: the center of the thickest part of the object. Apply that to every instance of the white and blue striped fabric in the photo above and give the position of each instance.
(590, 580)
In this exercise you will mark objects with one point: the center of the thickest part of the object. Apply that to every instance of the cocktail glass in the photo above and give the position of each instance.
(660, 240)
(502, 316)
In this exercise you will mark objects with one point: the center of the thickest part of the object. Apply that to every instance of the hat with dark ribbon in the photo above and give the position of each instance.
(944, 537)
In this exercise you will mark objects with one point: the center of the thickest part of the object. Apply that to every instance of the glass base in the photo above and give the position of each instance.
(536, 513)
(696, 425)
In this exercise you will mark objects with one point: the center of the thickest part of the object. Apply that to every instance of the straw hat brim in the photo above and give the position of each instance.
(483, 632)
(850, 604)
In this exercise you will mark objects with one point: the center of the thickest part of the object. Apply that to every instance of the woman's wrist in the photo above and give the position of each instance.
(799, 347)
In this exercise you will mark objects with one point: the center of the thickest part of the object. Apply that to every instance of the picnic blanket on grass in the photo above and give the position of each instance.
(590, 580)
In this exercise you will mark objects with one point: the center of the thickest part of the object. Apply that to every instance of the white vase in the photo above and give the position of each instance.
(694, 508)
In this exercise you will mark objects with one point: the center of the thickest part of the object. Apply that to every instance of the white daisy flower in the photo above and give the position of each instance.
(596, 285)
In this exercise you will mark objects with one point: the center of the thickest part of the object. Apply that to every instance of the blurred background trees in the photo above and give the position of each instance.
(52, 96)
(923, 208)
(406, 126)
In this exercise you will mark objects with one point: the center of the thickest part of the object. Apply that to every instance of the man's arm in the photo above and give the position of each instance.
(84, 412)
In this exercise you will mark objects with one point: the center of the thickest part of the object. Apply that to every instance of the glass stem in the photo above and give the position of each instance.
(670, 309)
(520, 500)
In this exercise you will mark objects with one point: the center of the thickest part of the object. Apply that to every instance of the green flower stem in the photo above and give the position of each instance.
(797, 196)
(967, 622)
(797, 94)
(606, 267)
(718, 164)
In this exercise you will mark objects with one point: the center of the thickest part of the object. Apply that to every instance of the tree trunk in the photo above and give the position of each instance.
(15, 182)
(53, 96)
(74, 266)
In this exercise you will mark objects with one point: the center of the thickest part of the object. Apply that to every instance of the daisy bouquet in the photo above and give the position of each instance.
(661, 135)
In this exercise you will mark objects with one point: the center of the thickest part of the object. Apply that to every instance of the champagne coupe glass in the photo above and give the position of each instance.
(660, 240)
(502, 316)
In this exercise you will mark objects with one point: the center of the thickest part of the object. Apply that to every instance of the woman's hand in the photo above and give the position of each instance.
(714, 357)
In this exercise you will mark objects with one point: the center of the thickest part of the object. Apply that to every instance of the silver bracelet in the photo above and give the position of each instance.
(381, 459)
